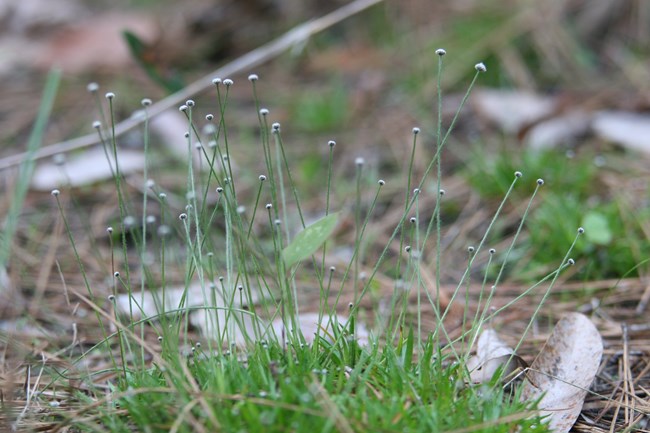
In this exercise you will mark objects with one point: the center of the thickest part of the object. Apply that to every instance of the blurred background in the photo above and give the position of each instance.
(565, 98)
(590, 54)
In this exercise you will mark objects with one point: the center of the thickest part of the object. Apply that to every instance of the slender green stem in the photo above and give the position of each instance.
(565, 261)
(436, 215)
(82, 269)
(430, 166)
(357, 227)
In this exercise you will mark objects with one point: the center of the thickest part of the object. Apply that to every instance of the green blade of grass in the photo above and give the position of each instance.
(27, 167)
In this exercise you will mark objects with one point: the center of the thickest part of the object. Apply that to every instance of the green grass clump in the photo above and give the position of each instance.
(490, 172)
(615, 247)
(614, 232)
(330, 387)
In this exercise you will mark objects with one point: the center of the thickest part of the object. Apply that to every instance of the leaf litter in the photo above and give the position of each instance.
(492, 354)
(560, 375)
(564, 370)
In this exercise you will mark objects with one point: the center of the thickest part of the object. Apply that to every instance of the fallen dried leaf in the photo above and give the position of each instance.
(558, 130)
(492, 353)
(511, 110)
(87, 168)
(209, 321)
(242, 324)
(630, 130)
(563, 371)
(310, 326)
(150, 303)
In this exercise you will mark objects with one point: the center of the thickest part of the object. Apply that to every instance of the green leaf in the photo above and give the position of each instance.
(309, 240)
(139, 51)
(597, 228)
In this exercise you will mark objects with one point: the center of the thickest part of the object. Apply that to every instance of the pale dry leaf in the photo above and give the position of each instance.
(150, 303)
(242, 327)
(310, 326)
(511, 110)
(492, 353)
(563, 371)
(558, 130)
(85, 169)
(630, 130)
(234, 326)
(209, 321)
